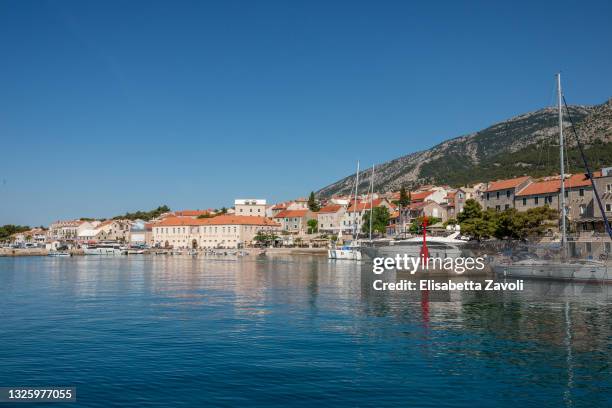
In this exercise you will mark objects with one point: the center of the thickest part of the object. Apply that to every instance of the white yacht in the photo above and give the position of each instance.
(350, 252)
(104, 249)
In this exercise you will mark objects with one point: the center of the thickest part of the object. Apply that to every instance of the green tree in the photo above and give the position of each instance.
(144, 215)
(404, 197)
(313, 204)
(471, 210)
(312, 226)
(380, 220)
(265, 238)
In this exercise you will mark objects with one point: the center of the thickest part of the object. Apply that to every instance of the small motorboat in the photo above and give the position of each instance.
(59, 253)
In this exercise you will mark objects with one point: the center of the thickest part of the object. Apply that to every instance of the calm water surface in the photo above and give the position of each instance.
(298, 331)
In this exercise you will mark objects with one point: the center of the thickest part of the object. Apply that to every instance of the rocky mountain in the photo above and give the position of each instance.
(523, 145)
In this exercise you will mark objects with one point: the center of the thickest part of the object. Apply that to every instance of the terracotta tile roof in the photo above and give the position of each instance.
(280, 206)
(364, 205)
(291, 213)
(451, 195)
(332, 208)
(580, 180)
(218, 220)
(415, 206)
(238, 220)
(506, 184)
(421, 196)
(541, 187)
(191, 213)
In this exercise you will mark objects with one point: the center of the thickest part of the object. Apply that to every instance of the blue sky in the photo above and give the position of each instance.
(107, 107)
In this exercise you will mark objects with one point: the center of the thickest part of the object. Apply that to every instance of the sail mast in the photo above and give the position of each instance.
(371, 201)
(355, 203)
(561, 148)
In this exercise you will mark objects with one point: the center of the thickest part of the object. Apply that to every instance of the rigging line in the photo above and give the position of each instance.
(588, 169)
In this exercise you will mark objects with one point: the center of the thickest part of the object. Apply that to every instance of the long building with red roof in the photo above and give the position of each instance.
(222, 231)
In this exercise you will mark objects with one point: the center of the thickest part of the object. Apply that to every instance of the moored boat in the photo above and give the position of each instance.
(104, 249)
(59, 254)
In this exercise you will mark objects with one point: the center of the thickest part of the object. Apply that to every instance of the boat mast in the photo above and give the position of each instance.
(561, 148)
(355, 203)
(371, 200)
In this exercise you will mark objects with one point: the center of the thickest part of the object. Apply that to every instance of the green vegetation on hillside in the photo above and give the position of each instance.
(7, 230)
(144, 215)
(537, 160)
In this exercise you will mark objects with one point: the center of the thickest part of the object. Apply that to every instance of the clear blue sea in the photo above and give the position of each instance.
(293, 331)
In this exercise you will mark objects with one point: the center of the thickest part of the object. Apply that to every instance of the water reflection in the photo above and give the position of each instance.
(321, 321)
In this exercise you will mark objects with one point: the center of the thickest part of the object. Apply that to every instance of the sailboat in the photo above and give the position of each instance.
(352, 250)
(561, 267)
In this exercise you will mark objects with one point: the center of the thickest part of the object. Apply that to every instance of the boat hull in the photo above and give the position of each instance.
(348, 254)
(103, 251)
(557, 271)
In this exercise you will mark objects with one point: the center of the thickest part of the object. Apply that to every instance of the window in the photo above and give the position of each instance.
(497, 208)
(566, 193)
(508, 193)
(609, 188)
(608, 247)
(507, 206)
(581, 192)
(498, 195)
(488, 196)
(549, 199)
(589, 247)
(582, 209)
(608, 207)
(524, 201)
(536, 200)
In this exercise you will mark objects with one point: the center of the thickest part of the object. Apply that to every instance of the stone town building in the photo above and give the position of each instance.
(222, 231)
(500, 194)
(294, 221)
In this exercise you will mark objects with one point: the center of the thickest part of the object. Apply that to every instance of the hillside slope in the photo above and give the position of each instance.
(525, 144)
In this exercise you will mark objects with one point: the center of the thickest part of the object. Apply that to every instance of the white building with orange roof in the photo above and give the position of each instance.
(221, 231)
(69, 230)
(330, 217)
